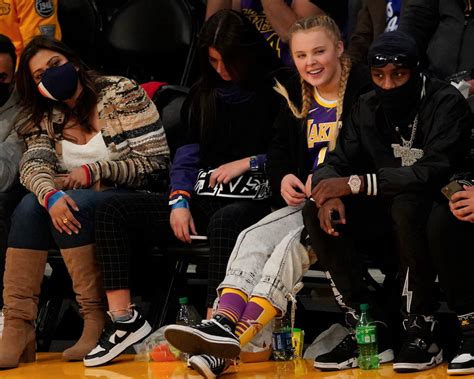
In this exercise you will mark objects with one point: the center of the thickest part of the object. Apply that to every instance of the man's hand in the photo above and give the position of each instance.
(182, 222)
(226, 172)
(292, 190)
(324, 215)
(462, 204)
(330, 188)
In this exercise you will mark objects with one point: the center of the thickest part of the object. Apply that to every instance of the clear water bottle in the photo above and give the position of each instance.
(187, 315)
(366, 335)
(282, 343)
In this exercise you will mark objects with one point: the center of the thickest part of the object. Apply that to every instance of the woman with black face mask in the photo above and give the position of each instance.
(88, 137)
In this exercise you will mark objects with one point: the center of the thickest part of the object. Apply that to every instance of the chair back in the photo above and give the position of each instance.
(81, 27)
(152, 40)
(169, 100)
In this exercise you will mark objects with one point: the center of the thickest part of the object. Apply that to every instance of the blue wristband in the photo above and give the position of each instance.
(55, 197)
(183, 203)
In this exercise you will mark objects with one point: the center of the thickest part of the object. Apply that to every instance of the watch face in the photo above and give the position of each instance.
(354, 184)
(354, 181)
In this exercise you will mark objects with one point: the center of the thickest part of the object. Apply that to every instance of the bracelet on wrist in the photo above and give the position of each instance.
(182, 203)
(54, 198)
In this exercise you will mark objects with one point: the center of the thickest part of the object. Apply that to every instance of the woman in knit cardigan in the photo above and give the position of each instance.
(87, 137)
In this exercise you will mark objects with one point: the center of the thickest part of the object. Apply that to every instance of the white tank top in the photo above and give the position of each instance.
(74, 155)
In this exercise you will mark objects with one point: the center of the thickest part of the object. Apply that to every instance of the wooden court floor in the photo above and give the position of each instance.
(50, 365)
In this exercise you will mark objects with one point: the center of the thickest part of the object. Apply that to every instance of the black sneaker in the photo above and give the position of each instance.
(208, 366)
(420, 350)
(116, 337)
(208, 337)
(344, 355)
(463, 362)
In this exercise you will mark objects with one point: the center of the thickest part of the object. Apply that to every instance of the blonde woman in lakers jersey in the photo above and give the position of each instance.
(268, 260)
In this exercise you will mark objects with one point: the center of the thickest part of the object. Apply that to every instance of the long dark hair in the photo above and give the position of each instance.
(35, 106)
(247, 56)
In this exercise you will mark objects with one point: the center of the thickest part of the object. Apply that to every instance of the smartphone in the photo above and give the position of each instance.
(450, 189)
(198, 238)
(335, 219)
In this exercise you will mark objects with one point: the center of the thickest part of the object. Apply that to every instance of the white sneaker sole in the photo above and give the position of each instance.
(460, 371)
(385, 356)
(133, 338)
(411, 367)
(200, 365)
(193, 341)
(332, 366)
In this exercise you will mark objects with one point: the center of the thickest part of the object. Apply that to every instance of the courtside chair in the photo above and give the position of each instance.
(152, 40)
(81, 27)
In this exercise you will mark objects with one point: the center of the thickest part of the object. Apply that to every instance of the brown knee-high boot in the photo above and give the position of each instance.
(87, 283)
(24, 270)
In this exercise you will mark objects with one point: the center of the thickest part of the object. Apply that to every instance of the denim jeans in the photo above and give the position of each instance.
(268, 259)
(31, 226)
(8, 202)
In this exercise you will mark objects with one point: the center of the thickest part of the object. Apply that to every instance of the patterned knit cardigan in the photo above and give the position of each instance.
(132, 131)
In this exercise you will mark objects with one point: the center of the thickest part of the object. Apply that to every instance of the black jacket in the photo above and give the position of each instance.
(364, 145)
(288, 152)
(444, 32)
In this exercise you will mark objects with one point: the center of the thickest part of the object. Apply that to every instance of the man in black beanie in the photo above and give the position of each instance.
(396, 151)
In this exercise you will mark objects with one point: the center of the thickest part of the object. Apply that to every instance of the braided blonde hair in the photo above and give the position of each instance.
(327, 24)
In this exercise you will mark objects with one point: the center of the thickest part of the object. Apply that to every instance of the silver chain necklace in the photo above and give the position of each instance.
(405, 151)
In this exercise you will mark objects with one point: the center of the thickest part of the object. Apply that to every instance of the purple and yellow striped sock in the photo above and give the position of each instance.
(232, 304)
(258, 313)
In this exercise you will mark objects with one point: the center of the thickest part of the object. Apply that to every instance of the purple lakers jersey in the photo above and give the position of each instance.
(253, 10)
(320, 122)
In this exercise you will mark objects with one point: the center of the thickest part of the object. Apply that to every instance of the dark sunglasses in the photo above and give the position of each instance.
(399, 60)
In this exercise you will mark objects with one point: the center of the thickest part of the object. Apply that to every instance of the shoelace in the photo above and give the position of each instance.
(346, 344)
(205, 323)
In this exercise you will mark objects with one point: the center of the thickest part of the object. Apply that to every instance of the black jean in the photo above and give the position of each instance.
(395, 227)
(452, 248)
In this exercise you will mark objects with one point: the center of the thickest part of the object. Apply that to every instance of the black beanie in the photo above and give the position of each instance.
(394, 43)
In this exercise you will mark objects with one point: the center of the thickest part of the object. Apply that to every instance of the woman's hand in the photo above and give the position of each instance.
(292, 190)
(76, 179)
(307, 186)
(182, 222)
(226, 172)
(62, 217)
(462, 204)
(325, 212)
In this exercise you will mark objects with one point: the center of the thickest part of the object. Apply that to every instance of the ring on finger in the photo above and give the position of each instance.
(65, 220)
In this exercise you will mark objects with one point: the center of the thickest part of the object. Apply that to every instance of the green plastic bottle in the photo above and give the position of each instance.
(366, 335)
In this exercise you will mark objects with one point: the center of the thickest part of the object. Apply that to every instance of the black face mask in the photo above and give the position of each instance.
(401, 104)
(5, 90)
(59, 83)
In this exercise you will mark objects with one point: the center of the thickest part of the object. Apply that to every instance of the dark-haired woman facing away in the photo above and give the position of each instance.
(217, 183)
(82, 131)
